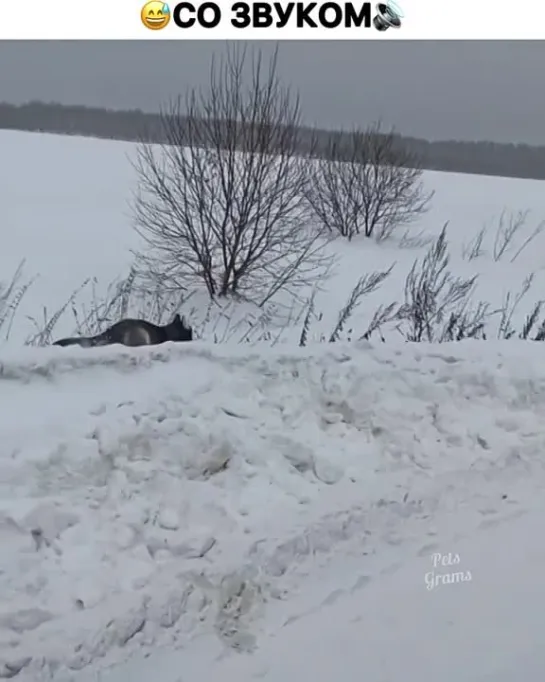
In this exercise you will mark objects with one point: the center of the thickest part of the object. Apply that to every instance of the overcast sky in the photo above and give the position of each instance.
(475, 91)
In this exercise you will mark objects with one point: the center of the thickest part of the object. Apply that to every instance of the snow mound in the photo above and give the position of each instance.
(149, 495)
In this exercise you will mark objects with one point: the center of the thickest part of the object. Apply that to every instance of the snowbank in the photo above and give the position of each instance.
(152, 495)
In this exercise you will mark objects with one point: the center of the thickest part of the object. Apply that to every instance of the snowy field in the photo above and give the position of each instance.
(371, 511)
(67, 213)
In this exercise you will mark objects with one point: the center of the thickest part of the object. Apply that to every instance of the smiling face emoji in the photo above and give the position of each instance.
(155, 15)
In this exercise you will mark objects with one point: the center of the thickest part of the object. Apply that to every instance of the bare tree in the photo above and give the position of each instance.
(222, 200)
(367, 185)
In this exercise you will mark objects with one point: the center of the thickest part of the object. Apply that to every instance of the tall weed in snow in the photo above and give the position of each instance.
(366, 284)
(533, 327)
(12, 293)
(440, 306)
(434, 297)
(511, 237)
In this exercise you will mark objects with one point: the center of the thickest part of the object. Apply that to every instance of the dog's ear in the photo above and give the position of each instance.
(176, 319)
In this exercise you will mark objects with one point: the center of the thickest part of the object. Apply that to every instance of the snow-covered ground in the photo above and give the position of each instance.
(368, 620)
(370, 511)
(66, 211)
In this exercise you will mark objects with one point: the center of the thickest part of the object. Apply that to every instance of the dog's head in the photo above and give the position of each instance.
(179, 330)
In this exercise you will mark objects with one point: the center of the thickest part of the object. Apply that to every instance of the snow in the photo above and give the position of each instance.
(378, 621)
(77, 225)
(233, 511)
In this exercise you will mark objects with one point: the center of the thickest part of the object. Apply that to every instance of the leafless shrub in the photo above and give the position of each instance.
(433, 294)
(368, 185)
(222, 201)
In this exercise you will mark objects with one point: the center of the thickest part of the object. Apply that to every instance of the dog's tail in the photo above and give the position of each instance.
(83, 341)
(72, 341)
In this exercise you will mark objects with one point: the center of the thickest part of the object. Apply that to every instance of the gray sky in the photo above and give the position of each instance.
(450, 90)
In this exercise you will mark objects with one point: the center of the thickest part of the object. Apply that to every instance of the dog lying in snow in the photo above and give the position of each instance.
(134, 333)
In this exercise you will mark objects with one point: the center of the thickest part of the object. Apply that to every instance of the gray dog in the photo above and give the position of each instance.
(134, 333)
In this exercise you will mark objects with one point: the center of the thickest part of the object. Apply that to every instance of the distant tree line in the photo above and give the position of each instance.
(483, 158)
